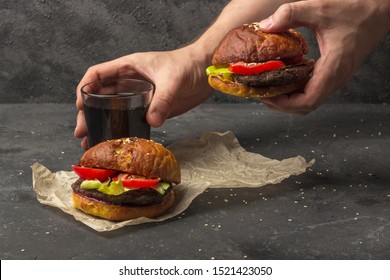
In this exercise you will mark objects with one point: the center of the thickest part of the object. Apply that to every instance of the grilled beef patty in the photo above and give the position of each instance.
(287, 75)
(137, 197)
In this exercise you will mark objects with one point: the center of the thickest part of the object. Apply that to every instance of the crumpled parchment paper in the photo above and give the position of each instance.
(215, 160)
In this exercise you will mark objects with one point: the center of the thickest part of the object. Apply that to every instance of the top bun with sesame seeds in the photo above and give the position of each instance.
(135, 156)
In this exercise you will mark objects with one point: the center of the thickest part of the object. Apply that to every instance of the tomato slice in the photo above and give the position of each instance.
(89, 173)
(243, 68)
(134, 181)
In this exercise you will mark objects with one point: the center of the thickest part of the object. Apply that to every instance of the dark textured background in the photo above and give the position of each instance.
(47, 45)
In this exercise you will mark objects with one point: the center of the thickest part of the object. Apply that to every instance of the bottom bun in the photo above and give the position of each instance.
(237, 89)
(118, 212)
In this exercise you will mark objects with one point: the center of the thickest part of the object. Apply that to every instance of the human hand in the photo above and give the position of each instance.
(346, 31)
(179, 78)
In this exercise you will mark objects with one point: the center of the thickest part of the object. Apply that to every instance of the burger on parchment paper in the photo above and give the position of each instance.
(125, 179)
(252, 63)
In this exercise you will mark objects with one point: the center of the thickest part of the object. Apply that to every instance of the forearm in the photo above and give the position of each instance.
(236, 13)
(385, 11)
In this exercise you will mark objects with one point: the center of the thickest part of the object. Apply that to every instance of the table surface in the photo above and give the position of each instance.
(338, 209)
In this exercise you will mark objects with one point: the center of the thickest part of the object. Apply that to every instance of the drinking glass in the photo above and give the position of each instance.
(116, 108)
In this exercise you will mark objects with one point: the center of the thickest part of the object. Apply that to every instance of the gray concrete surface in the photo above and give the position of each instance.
(338, 209)
(47, 45)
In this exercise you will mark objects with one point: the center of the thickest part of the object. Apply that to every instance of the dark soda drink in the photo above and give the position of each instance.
(105, 124)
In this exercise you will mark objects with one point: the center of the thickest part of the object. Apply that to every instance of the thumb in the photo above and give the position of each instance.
(161, 105)
(290, 15)
(158, 111)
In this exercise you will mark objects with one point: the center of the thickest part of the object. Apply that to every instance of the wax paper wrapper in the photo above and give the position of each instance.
(215, 160)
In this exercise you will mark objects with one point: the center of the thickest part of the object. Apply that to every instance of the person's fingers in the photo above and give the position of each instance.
(84, 143)
(324, 80)
(283, 104)
(162, 103)
(104, 71)
(81, 128)
(266, 102)
(123, 67)
(291, 15)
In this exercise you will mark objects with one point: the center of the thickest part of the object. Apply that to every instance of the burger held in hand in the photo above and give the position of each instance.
(125, 179)
(252, 63)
